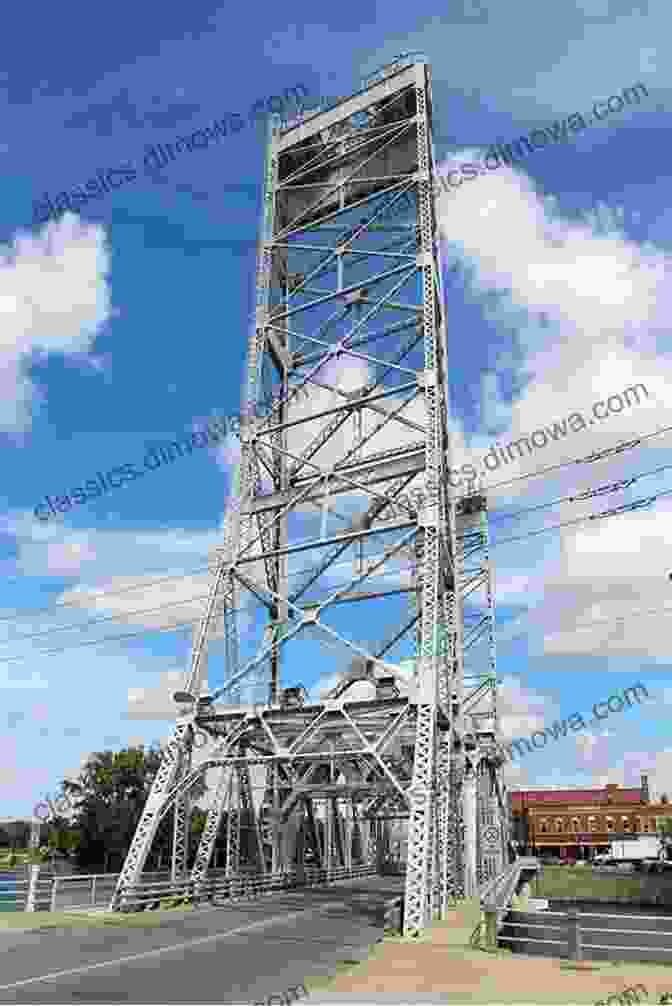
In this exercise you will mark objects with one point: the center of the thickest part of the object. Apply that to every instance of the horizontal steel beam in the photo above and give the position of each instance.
(368, 473)
(359, 102)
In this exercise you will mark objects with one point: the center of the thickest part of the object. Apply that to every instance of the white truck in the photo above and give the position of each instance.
(645, 851)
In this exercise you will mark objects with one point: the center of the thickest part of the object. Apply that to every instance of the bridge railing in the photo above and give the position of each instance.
(144, 895)
(592, 935)
(79, 892)
(497, 893)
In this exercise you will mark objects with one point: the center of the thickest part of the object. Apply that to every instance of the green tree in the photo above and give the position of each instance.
(665, 826)
(109, 797)
(63, 838)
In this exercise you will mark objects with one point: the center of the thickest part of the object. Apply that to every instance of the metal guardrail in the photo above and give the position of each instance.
(496, 895)
(14, 895)
(143, 895)
(574, 933)
(66, 892)
(79, 892)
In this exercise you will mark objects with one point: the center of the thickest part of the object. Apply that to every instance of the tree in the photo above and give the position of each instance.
(109, 797)
(63, 838)
(665, 826)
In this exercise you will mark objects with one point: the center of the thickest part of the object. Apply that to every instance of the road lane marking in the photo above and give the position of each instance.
(175, 946)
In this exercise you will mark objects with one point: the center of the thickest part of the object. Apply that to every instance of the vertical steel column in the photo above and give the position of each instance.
(470, 833)
(437, 539)
(233, 828)
(211, 831)
(181, 823)
(149, 821)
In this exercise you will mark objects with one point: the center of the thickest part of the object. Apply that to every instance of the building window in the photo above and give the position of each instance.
(558, 824)
(652, 824)
(542, 826)
(610, 824)
(576, 824)
(625, 823)
(591, 823)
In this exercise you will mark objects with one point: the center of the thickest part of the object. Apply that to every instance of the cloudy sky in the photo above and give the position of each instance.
(125, 323)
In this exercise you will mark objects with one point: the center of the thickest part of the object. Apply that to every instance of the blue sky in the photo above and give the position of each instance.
(127, 324)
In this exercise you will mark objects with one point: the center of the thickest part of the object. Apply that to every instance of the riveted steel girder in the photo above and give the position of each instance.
(344, 548)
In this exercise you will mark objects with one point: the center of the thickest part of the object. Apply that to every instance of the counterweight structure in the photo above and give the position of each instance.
(341, 530)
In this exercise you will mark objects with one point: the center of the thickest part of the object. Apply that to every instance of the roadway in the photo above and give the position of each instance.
(243, 953)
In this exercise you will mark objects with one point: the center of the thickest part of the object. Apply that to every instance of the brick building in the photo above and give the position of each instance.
(576, 823)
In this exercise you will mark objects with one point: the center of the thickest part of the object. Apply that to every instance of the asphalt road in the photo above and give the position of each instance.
(235, 954)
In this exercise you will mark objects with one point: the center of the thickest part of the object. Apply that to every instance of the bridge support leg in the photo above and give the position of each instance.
(470, 835)
(490, 915)
(574, 937)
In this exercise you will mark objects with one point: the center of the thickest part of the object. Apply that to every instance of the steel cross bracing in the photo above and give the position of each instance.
(341, 529)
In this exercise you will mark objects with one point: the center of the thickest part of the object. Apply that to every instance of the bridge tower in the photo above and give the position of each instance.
(342, 527)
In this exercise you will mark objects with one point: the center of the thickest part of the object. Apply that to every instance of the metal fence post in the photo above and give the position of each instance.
(93, 889)
(33, 875)
(54, 889)
(574, 937)
(490, 915)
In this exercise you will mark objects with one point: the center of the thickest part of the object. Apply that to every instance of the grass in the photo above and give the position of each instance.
(569, 882)
(82, 920)
(22, 858)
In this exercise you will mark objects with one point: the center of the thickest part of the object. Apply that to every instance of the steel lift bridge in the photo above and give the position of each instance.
(345, 552)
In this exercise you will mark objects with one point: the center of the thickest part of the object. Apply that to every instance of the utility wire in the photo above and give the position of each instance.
(103, 593)
(25, 613)
(108, 618)
(626, 508)
(145, 611)
(96, 642)
(616, 511)
(613, 487)
(597, 456)
(585, 495)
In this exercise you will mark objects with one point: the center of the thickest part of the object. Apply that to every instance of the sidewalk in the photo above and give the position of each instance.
(441, 967)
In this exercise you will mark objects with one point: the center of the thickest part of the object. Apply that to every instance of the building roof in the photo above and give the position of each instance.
(613, 795)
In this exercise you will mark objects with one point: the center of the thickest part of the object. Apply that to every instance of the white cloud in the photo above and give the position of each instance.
(156, 703)
(522, 711)
(54, 297)
(588, 307)
(547, 71)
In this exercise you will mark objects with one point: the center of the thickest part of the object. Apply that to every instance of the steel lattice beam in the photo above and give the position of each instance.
(341, 523)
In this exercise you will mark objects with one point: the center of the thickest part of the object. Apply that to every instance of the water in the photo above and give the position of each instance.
(587, 906)
(7, 892)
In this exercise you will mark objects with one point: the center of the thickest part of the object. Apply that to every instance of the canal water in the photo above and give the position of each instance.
(7, 892)
(585, 906)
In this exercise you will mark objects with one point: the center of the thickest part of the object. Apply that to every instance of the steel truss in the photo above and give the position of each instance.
(343, 527)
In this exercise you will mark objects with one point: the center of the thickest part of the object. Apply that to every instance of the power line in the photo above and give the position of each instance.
(96, 642)
(587, 494)
(102, 593)
(655, 612)
(107, 618)
(134, 612)
(597, 456)
(626, 508)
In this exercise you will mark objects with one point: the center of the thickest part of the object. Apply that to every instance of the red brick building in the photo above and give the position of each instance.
(576, 823)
